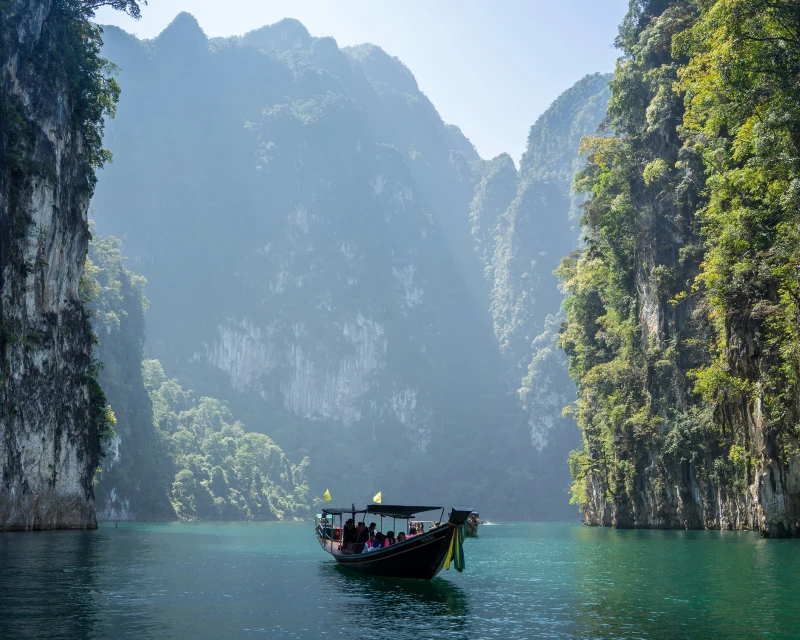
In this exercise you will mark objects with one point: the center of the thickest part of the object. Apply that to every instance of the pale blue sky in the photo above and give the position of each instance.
(490, 67)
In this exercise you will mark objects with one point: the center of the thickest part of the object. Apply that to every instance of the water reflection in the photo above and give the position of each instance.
(52, 573)
(679, 584)
(374, 602)
(271, 579)
(74, 585)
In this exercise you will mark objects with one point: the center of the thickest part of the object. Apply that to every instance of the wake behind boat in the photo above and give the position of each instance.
(417, 554)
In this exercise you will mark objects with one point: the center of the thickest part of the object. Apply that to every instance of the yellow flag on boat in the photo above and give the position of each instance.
(377, 498)
(327, 495)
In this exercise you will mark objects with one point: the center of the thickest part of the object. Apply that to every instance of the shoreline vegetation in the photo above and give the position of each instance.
(173, 456)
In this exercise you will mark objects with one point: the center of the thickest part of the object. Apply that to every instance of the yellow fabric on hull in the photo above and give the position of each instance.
(455, 552)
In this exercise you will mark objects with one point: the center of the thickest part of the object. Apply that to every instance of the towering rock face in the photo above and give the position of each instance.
(304, 235)
(52, 412)
(522, 224)
(634, 354)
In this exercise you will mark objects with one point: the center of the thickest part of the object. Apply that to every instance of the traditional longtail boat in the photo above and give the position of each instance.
(421, 556)
(472, 524)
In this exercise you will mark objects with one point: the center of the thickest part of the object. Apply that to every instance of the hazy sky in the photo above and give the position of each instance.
(489, 66)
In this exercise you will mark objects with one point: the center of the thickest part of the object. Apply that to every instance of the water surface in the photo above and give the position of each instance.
(271, 580)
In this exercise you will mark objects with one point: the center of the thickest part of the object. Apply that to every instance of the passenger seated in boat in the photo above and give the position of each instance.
(389, 539)
(420, 528)
(411, 533)
(372, 528)
(401, 536)
(375, 542)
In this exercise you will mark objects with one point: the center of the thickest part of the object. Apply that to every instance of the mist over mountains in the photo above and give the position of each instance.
(341, 269)
(301, 278)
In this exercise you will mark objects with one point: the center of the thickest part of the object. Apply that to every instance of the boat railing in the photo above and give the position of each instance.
(327, 530)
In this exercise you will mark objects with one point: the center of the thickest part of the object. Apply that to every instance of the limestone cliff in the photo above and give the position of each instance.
(522, 224)
(686, 375)
(52, 412)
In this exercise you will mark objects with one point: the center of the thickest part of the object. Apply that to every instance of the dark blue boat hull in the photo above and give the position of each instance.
(421, 557)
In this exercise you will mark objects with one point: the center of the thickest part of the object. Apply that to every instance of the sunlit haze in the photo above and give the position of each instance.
(490, 68)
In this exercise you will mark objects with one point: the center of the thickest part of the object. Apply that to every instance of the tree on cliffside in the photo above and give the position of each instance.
(223, 472)
(629, 349)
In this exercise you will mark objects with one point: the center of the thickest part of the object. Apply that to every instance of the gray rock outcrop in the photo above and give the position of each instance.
(49, 399)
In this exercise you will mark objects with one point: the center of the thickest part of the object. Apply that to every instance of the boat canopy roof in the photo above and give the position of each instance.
(337, 511)
(398, 510)
(385, 510)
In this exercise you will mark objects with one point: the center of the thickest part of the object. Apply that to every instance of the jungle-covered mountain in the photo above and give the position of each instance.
(173, 454)
(682, 315)
(346, 296)
(339, 266)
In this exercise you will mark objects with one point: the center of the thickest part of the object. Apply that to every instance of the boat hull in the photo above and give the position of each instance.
(471, 529)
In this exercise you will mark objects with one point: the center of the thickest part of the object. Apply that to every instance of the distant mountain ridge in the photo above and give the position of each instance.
(303, 217)
(523, 222)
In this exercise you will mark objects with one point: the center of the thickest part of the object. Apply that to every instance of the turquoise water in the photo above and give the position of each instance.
(271, 580)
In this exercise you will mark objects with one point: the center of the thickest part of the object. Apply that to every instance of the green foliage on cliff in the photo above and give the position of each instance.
(222, 472)
(169, 454)
(136, 471)
(743, 117)
(682, 319)
(56, 91)
(602, 336)
(630, 349)
(91, 90)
